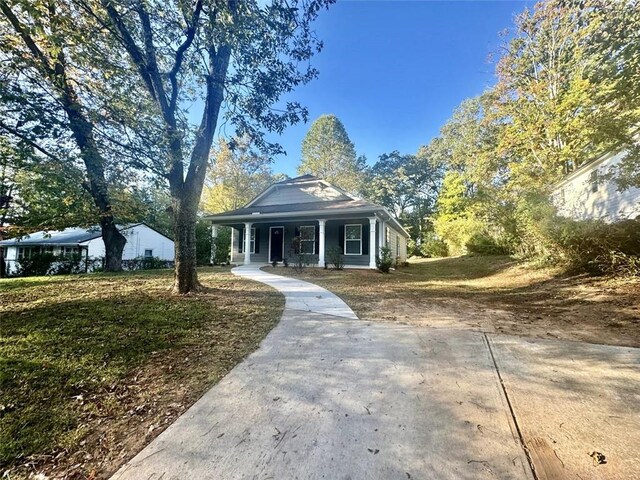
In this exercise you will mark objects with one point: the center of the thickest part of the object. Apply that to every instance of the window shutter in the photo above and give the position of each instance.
(317, 230)
(257, 240)
(341, 237)
(241, 241)
(365, 239)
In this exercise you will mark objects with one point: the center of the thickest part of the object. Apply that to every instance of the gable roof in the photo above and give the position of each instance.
(298, 182)
(68, 236)
(341, 204)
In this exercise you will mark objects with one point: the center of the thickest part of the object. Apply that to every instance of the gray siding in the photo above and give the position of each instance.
(304, 193)
(333, 237)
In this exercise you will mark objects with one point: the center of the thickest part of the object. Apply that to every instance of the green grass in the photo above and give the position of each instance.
(73, 350)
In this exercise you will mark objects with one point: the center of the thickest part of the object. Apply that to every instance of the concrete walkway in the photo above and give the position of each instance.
(328, 396)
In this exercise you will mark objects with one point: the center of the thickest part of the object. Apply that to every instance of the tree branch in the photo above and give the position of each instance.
(131, 47)
(190, 36)
(24, 138)
(26, 38)
(152, 64)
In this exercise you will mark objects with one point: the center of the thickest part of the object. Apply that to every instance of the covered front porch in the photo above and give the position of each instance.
(357, 240)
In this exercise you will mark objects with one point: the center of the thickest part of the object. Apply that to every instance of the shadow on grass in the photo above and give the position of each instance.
(73, 339)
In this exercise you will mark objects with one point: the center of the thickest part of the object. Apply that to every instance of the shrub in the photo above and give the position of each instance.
(37, 264)
(145, 263)
(335, 258)
(300, 260)
(384, 261)
(591, 246)
(68, 264)
(484, 244)
(456, 231)
(434, 247)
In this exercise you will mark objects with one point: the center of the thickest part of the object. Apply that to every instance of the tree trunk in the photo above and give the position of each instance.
(82, 130)
(114, 243)
(184, 237)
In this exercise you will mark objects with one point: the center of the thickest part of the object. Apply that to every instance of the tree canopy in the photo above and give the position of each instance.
(329, 153)
(236, 175)
(128, 75)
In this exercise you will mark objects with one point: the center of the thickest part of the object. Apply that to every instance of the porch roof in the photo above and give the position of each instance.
(315, 210)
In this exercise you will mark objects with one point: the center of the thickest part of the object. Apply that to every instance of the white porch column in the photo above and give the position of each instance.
(214, 235)
(321, 243)
(247, 243)
(372, 242)
(381, 235)
(232, 244)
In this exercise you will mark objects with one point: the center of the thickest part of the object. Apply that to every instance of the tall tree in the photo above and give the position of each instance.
(44, 103)
(236, 175)
(564, 88)
(245, 52)
(328, 153)
(408, 186)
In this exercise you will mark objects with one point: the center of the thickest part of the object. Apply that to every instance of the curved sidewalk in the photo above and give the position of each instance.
(327, 396)
(299, 295)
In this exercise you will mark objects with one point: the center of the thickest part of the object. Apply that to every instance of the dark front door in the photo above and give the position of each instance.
(276, 244)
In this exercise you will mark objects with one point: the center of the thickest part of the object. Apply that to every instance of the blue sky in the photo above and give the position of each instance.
(393, 71)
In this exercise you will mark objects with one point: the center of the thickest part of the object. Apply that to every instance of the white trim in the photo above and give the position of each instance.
(321, 241)
(270, 228)
(353, 239)
(372, 242)
(352, 212)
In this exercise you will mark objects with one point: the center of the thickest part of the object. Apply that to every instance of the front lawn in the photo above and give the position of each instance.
(93, 367)
(491, 294)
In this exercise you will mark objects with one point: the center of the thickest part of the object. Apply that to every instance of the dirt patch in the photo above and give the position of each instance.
(491, 294)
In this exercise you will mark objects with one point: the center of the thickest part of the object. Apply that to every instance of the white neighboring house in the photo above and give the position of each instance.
(142, 241)
(586, 195)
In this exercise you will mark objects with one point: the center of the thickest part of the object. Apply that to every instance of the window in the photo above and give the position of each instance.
(397, 245)
(594, 181)
(353, 239)
(68, 251)
(148, 253)
(252, 243)
(28, 252)
(308, 239)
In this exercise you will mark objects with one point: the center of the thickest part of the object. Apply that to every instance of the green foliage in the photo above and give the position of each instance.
(559, 102)
(68, 264)
(385, 260)
(37, 264)
(483, 244)
(433, 247)
(299, 259)
(328, 153)
(236, 175)
(335, 259)
(146, 263)
(406, 185)
(222, 246)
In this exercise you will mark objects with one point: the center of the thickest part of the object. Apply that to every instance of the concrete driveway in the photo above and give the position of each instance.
(328, 396)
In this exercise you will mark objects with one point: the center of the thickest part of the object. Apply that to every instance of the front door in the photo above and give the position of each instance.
(276, 244)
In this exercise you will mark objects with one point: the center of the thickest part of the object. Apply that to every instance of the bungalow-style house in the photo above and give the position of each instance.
(142, 242)
(586, 194)
(321, 216)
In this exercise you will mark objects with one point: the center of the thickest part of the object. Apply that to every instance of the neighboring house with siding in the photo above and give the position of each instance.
(586, 194)
(321, 215)
(142, 242)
